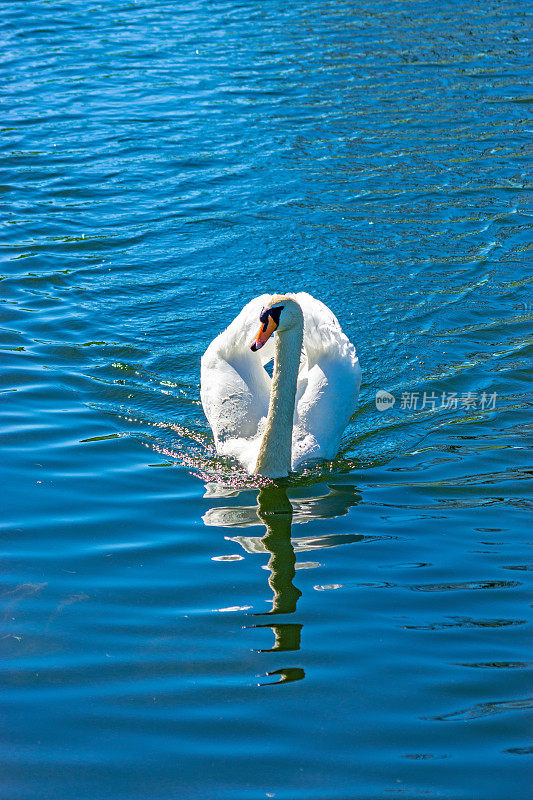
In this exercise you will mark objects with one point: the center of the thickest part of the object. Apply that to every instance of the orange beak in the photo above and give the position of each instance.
(265, 332)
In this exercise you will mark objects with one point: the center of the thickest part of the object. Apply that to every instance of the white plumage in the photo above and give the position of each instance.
(236, 388)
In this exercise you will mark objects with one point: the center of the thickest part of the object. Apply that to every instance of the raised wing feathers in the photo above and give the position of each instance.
(235, 387)
(328, 384)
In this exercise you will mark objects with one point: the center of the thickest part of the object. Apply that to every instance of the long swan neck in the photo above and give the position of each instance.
(274, 459)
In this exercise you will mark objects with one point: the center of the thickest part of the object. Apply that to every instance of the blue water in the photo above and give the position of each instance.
(162, 635)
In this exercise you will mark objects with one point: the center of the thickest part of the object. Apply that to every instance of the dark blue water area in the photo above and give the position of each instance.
(172, 628)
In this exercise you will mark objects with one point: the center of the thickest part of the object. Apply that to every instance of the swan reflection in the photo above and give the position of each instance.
(277, 512)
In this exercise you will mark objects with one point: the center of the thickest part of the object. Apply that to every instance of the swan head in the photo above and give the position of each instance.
(281, 314)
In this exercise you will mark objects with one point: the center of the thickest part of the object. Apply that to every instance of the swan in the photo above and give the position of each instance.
(271, 425)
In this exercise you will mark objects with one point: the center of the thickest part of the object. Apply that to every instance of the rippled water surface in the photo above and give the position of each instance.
(169, 628)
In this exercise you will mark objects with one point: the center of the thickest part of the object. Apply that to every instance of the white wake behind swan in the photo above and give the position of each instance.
(272, 425)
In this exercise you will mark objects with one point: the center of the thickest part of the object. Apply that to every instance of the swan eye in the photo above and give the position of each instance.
(273, 313)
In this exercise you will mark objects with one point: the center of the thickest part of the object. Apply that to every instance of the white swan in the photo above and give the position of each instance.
(272, 425)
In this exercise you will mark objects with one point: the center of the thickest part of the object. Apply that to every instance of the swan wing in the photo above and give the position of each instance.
(328, 383)
(235, 387)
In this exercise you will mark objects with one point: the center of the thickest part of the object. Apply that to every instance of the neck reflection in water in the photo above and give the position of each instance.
(277, 513)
